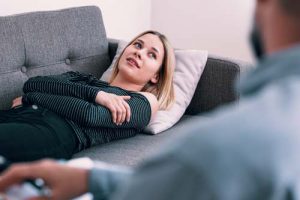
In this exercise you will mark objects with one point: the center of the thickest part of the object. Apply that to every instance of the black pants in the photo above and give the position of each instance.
(31, 132)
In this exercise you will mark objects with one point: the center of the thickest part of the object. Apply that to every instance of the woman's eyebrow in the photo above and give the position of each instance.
(153, 48)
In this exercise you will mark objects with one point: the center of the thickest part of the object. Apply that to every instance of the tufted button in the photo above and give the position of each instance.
(23, 69)
(68, 61)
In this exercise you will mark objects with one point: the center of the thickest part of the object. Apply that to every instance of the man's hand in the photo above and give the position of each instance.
(16, 102)
(118, 106)
(63, 181)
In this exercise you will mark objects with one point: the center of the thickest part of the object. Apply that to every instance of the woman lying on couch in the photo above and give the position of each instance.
(60, 115)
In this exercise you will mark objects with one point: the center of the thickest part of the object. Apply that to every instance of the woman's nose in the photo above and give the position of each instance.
(139, 53)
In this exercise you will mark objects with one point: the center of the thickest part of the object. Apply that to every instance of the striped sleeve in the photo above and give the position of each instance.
(67, 84)
(89, 114)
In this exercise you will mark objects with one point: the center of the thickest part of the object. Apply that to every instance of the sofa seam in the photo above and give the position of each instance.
(23, 38)
(63, 61)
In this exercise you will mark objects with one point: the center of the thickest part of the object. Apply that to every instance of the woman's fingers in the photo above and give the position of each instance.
(116, 112)
(128, 111)
(119, 114)
(16, 102)
(119, 108)
(127, 107)
(120, 111)
(113, 111)
(123, 111)
(126, 97)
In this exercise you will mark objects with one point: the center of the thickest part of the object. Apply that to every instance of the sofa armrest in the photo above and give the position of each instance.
(217, 84)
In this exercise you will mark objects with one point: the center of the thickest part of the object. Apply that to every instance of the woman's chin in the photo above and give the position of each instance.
(128, 74)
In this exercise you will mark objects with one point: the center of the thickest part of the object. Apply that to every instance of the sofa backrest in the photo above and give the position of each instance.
(50, 42)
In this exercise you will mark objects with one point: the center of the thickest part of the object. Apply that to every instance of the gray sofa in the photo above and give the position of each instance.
(53, 42)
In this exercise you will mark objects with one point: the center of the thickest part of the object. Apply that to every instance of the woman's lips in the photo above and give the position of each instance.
(133, 62)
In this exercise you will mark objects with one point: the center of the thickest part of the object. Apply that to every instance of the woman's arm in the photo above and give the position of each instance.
(153, 102)
(72, 84)
(90, 114)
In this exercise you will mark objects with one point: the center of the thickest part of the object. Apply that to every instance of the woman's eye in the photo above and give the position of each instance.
(152, 55)
(137, 45)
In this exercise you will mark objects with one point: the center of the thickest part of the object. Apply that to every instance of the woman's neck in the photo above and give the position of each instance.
(124, 84)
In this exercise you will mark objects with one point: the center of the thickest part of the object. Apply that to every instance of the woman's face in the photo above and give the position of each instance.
(142, 59)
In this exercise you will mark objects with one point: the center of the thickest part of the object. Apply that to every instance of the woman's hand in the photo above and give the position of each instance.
(63, 181)
(117, 105)
(16, 102)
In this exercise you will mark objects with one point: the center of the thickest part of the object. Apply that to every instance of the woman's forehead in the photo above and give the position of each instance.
(152, 41)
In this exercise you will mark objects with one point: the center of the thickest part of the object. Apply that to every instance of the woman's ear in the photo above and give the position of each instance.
(154, 79)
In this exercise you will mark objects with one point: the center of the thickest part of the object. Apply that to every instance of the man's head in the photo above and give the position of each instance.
(276, 24)
(291, 7)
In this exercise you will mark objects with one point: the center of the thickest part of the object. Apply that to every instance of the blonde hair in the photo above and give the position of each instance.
(163, 89)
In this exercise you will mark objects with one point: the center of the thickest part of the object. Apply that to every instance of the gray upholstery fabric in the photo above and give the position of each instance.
(112, 47)
(131, 151)
(50, 42)
(215, 87)
(217, 84)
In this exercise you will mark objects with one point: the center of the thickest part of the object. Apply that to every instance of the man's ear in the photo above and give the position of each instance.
(154, 79)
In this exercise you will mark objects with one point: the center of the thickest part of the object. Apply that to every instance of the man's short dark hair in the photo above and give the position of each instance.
(291, 7)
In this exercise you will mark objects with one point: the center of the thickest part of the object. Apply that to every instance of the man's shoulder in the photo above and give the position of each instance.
(272, 112)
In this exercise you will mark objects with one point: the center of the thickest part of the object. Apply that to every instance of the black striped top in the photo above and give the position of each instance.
(72, 96)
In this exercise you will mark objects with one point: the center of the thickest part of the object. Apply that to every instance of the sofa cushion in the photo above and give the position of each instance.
(132, 151)
(50, 42)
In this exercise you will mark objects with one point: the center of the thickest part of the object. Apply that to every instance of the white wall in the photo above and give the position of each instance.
(220, 26)
(123, 19)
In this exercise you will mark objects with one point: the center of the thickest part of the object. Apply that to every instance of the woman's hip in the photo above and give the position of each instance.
(36, 131)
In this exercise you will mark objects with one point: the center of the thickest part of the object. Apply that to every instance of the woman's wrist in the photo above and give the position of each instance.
(98, 97)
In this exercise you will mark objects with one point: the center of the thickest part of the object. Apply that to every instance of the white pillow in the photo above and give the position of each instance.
(107, 74)
(188, 70)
